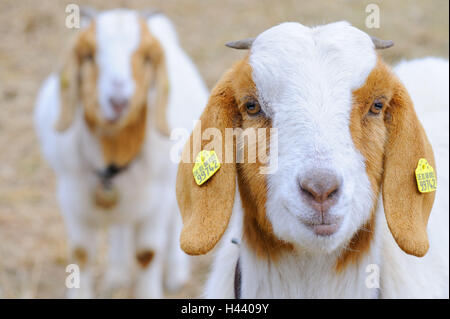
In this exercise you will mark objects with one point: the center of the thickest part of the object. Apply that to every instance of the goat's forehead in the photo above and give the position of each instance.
(117, 31)
(291, 59)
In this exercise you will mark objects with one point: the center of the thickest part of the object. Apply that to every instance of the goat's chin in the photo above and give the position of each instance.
(111, 127)
(309, 238)
(323, 244)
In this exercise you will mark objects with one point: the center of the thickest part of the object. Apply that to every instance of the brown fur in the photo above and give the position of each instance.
(71, 77)
(122, 147)
(206, 210)
(80, 256)
(369, 135)
(407, 210)
(359, 245)
(145, 257)
(151, 49)
(391, 155)
(258, 232)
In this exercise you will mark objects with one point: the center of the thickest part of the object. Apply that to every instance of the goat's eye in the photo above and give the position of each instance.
(376, 107)
(89, 57)
(252, 108)
(147, 59)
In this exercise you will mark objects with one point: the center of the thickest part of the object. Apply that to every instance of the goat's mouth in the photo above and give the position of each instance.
(324, 229)
(117, 122)
(323, 225)
(117, 117)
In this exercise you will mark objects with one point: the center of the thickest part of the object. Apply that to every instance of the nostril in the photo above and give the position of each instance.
(333, 193)
(319, 187)
(308, 192)
(117, 84)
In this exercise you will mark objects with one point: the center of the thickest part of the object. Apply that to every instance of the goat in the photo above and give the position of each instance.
(103, 123)
(341, 216)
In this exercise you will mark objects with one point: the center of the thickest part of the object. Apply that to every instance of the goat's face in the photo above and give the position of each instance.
(345, 128)
(321, 194)
(114, 62)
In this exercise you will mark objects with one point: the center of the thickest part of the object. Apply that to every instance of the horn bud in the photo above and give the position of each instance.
(244, 44)
(146, 14)
(88, 13)
(381, 44)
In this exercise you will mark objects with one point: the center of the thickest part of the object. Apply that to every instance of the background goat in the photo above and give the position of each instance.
(103, 122)
(349, 141)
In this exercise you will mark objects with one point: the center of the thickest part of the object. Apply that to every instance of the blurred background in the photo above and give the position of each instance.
(33, 39)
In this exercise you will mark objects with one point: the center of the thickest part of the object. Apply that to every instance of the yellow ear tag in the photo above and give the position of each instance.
(64, 81)
(426, 179)
(206, 165)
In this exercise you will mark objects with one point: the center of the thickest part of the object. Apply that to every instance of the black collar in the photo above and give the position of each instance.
(237, 281)
(112, 170)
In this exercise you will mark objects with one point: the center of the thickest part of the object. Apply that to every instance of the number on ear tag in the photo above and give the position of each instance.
(206, 165)
(426, 179)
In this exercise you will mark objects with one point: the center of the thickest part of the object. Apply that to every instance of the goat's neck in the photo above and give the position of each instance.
(296, 273)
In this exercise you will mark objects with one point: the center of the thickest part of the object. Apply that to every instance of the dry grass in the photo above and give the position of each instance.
(33, 251)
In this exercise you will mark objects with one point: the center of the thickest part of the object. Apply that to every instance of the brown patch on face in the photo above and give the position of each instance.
(369, 132)
(80, 256)
(369, 136)
(78, 79)
(258, 232)
(373, 131)
(151, 53)
(359, 245)
(88, 73)
(145, 257)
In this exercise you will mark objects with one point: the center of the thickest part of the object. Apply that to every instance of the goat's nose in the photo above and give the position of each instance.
(118, 104)
(118, 84)
(320, 189)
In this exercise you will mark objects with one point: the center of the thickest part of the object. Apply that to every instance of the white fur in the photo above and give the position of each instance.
(146, 216)
(118, 36)
(306, 87)
(304, 78)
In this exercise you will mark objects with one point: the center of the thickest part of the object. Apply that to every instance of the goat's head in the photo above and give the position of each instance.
(347, 130)
(113, 63)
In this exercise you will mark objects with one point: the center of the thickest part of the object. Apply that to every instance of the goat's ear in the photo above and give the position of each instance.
(162, 87)
(206, 209)
(69, 91)
(407, 210)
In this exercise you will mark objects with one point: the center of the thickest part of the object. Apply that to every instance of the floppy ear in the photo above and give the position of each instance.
(407, 210)
(69, 91)
(206, 209)
(162, 93)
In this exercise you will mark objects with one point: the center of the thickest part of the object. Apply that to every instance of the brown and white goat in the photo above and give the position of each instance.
(103, 124)
(341, 216)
